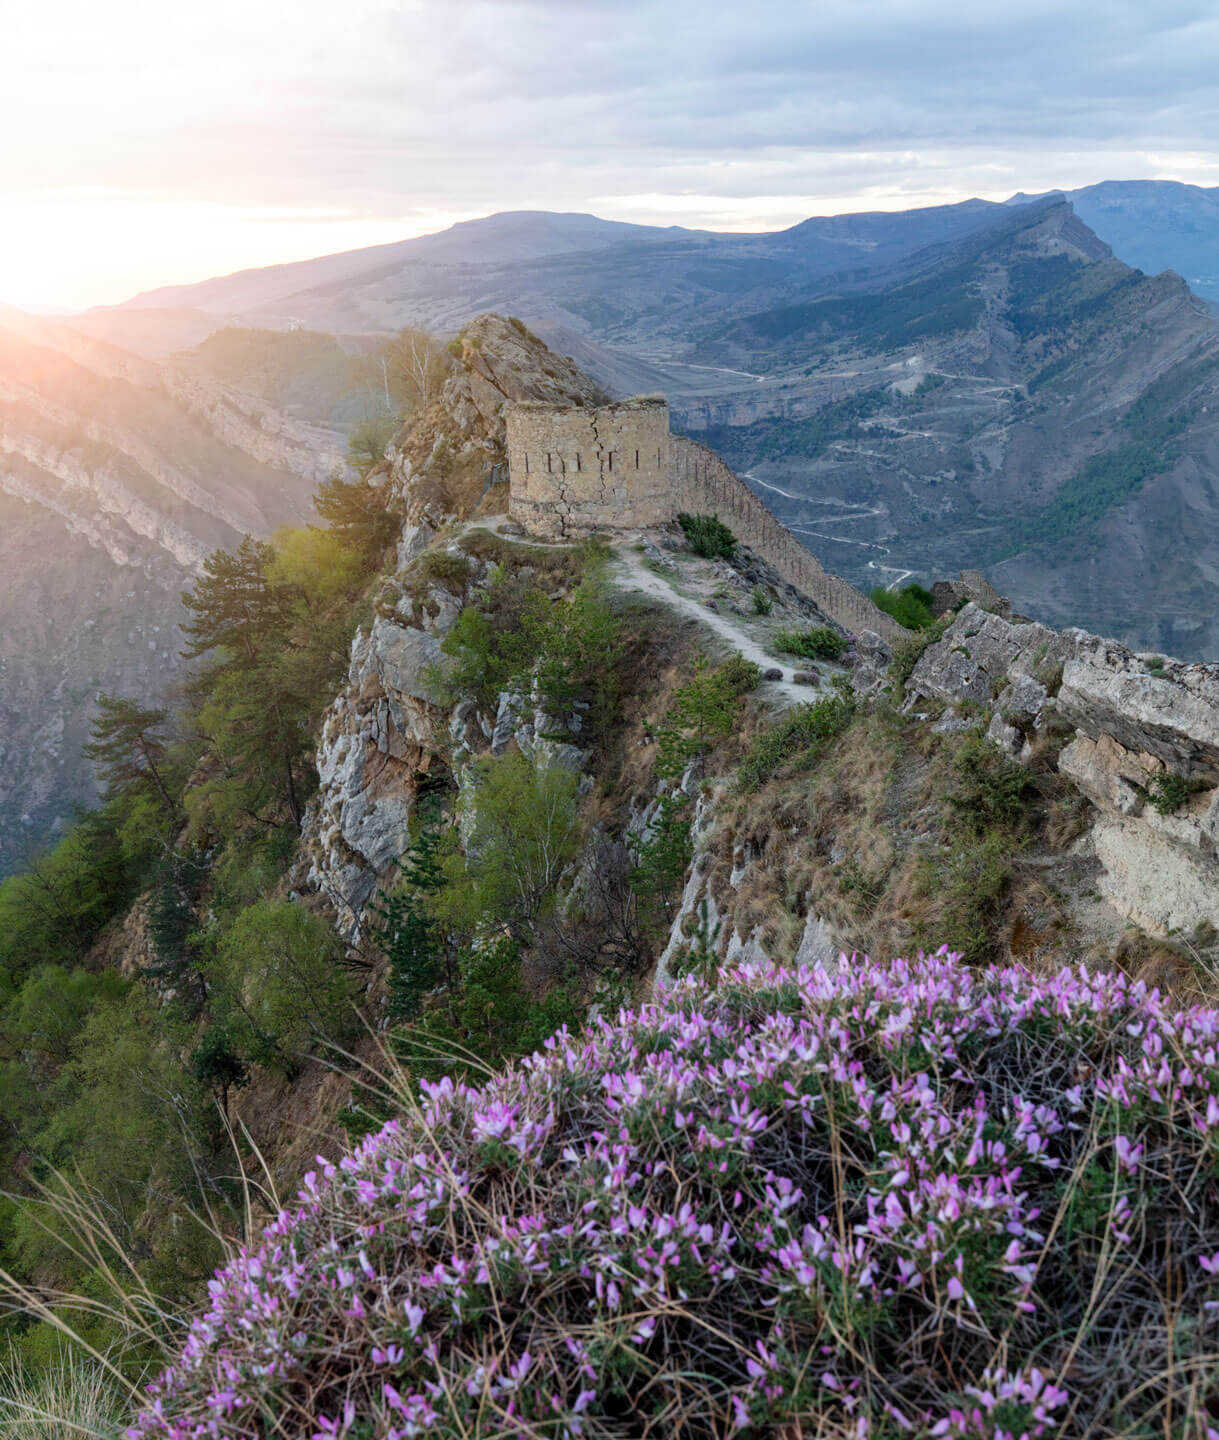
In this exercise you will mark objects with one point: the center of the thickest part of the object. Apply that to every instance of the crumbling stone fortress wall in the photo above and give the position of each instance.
(704, 485)
(573, 470)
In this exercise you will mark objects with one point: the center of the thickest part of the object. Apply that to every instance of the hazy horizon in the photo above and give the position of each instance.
(53, 309)
(164, 145)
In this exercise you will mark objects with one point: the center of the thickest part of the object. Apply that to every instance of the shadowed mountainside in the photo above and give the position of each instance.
(118, 477)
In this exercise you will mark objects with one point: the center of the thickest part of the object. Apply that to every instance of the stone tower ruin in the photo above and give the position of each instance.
(574, 469)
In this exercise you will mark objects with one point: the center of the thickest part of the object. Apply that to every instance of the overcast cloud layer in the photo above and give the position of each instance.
(149, 142)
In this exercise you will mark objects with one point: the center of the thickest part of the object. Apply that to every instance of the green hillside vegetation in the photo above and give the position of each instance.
(115, 1087)
(910, 606)
(118, 1091)
(921, 309)
(304, 373)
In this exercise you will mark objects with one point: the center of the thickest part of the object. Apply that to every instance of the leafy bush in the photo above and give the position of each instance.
(971, 880)
(702, 712)
(517, 636)
(486, 1016)
(799, 737)
(991, 789)
(280, 986)
(763, 602)
(523, 831)
(910, 606)
(825, 1197)
(819, 643)
(446, 567)
(708, 536)
(369, 439)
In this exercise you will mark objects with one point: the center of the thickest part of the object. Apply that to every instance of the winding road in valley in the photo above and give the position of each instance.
(852, 511)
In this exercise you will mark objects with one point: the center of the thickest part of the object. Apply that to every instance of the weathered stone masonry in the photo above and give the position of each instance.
(573, 470)
(578, 469)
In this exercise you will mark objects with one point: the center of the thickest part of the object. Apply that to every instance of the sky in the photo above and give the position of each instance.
(149, 142)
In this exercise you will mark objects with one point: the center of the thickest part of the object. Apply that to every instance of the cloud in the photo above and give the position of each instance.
(390, 111)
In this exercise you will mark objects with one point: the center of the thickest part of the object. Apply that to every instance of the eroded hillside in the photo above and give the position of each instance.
(1031, 405)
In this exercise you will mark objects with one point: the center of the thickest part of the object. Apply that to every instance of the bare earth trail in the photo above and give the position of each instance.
(630, 574)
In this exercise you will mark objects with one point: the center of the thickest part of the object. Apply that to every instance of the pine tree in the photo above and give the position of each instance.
(236, 609)
(129, 749)
(411, 939)
(357, 514)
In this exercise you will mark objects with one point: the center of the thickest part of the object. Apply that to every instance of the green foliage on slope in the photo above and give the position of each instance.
(1154, 422)
(910, 606)
(116, 1087)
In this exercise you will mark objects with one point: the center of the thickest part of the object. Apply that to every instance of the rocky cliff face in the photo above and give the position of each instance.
(1143, 747)
(384, 736)
(1134, 734)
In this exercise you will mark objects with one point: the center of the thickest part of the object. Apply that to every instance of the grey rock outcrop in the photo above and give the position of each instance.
(1138, 729)
(992, 661)
(1141, 723)
(1170, 712)
(502, 362)
(377, 740)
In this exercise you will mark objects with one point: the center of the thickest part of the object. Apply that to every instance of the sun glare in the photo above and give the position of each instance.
(73, 249)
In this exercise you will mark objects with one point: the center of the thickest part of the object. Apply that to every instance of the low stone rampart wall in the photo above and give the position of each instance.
(703, 484)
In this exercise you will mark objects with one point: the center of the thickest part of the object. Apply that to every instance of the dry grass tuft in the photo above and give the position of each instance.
(73, 1399)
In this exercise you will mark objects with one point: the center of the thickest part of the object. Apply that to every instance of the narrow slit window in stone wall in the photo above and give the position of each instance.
(578, 465)
(636, 459)
(611, 459)
(549, 463)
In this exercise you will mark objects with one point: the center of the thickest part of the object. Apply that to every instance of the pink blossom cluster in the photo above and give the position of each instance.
(791, 1194)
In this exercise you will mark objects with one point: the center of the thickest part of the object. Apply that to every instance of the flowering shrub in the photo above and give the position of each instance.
(908, 1199)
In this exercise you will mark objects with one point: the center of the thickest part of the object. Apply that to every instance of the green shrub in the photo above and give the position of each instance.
(991, 789)
(487, 1016)
(971, 881)
(708, 536)
(702, 712)
(279, 985)
(740, 675)
(910, 606)
(523, 830)
(446, 567)
(1168, 793)
(818, 643)
(369, 439)
(799, 737)
(763, 602)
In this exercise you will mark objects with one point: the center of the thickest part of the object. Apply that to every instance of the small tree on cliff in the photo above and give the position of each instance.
(129, 748)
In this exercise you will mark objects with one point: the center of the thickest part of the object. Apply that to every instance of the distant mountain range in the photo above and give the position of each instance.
(991, 384)
(564, 268)
(1155, 225)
